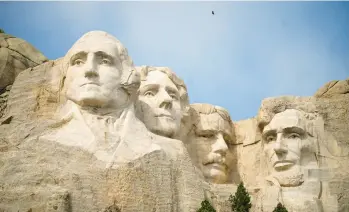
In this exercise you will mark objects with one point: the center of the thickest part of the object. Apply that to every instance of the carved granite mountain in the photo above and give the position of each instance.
(70, 141)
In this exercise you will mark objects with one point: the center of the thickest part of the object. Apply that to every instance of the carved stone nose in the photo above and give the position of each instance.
(220, 145)
(165, 100)
(280, 148)
(91, 73)
(166, 104)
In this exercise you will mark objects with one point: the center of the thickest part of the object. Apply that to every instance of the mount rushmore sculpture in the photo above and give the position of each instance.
(91, 131)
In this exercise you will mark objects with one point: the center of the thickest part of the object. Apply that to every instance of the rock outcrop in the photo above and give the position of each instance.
(16, 55)
(333, 88)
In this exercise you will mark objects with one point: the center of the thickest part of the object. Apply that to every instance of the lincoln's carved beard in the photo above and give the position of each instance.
(295, 176)
(290, 178)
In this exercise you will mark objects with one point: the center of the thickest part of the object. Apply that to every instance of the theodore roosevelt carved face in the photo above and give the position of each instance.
(210, 141)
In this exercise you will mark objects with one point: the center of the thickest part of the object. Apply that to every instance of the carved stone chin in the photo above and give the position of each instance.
(289, 179)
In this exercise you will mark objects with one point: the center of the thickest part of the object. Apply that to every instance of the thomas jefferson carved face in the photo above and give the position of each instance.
(94, 73)
(288, 147)
(210, 147)
(159, 104)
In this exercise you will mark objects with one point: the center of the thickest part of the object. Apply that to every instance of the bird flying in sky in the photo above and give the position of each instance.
(212, 12)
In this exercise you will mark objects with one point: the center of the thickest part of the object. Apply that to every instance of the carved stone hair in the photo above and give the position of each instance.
(184, 98)
(202, 108)
(272, 106)
(305, 109)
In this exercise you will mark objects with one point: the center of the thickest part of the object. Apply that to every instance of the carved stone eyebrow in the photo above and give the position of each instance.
(104, 55)
(200, 131)
(148, 87)
(81, 54)
(294, 129)
(172, 90)
(267, 133)
(286, 130)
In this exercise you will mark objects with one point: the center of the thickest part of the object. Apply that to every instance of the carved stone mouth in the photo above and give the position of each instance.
(284, 164)
(90, 83)
(164, 115)
(216, 164)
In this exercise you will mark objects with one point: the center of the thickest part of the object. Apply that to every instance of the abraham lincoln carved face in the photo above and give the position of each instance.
(288, 147)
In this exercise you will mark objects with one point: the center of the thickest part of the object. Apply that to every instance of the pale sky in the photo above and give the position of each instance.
(244, 53)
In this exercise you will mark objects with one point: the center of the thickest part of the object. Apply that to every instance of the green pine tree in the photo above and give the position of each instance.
(206, 207)
(2, 31)
(280, 208)
(241, 201)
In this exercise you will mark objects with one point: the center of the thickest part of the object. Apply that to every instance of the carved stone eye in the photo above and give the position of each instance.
(78, 62)
(207, 135)
(294, 136)
(149, 93)
(105, 62)
(174, 96)
(270, 138)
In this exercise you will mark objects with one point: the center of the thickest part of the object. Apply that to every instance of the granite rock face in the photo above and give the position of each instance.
(92, 132)
(334, 98)
(16, 55)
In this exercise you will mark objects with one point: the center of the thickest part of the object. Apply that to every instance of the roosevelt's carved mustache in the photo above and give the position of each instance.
(162, 113)
(217, 159)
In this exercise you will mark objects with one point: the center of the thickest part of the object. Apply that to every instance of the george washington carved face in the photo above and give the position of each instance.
(94, 72)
